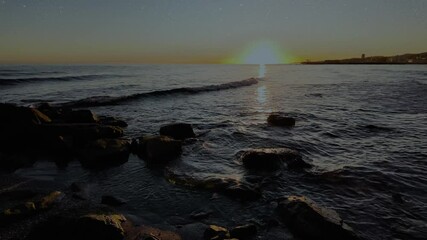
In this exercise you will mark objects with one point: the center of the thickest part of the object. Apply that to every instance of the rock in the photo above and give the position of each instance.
(21, 116)
(49, 200)
(247, 231)
(104, 153)
(311, 221)
(270, 159)
(159, 149)
(112, 201)
(279, 119)
(149, 233)
(112, 121)
(80, 116)
(227, 186)
(179, 131)
(102, 226)
(192, 231)
(200, 215)
(87, 227)
(19, 211)
(216, 232)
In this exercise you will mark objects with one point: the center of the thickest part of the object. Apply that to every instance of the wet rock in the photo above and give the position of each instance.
(192, 231)
(80, 116)
(179, 131)
(13, 115)
(87, 227)
(50, 200)
(311, 221)
(270, 159)
(247, 231)
(231, 187)
(280, 119)
(112, 121)
(216, 232)
(112, 201)
(17, 212)
(159, 149)
(149, 233)
(200, 215)
(104, 153)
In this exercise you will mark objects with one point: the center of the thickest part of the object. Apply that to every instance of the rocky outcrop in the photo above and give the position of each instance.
(281, 120)
(270, 159)
(104, 152)
(61, 133)
(112, 200)
(158, 149)
(311, 221)
(178, 131)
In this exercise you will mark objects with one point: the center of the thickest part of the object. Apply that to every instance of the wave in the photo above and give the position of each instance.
(111, 100)
(17, 81)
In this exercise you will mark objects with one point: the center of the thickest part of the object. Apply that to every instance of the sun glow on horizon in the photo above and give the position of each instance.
(264, 52)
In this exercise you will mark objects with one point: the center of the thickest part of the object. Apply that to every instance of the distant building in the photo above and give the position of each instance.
(363, 56)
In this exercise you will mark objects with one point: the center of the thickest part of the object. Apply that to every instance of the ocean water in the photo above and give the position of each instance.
(363, 128)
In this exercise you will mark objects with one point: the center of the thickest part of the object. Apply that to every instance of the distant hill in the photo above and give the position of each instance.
(419, 58)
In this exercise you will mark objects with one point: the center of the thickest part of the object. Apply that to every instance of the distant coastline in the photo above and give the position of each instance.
(418, 58)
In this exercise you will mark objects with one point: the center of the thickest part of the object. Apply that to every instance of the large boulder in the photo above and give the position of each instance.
(311, 221)
(280, 119)
(11, 115)
(158, 149)
(179, 131)
(105, 152)
(86, 227)
(268, 159)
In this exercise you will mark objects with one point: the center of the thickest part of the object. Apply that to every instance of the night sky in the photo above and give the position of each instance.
(201, 31)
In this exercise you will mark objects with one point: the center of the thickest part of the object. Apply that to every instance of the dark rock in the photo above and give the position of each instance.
(227, 186)
(112, 201)
(80, 116)
(200, 215)
(104, 152)
(12, 115)
(247, 231)
(50, 200)
(179, 131)
(159, 149)
(112, 121)
(310, 221)
(192, 231)
(87, 227)
(279, 119)
(272, 159)
(216, 232)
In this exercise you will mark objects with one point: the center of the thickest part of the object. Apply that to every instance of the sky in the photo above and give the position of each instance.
(207, 31)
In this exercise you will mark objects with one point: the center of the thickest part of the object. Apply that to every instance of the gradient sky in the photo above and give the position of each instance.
(206, 31)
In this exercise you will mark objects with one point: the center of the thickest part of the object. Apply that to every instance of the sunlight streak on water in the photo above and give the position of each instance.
(261, 71)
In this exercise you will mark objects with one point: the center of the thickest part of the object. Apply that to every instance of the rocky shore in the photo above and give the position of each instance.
(44, 210)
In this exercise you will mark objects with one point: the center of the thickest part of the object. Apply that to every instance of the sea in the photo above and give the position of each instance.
(362, 127)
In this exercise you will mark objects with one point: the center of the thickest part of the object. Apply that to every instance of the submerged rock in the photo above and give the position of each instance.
(179, 131)
(311, 221)
(280, 119)
(158, 149)
(112, 121)
(105, 152)
(247, 231)
(268, 159)
(112, 201)
(227, 186)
